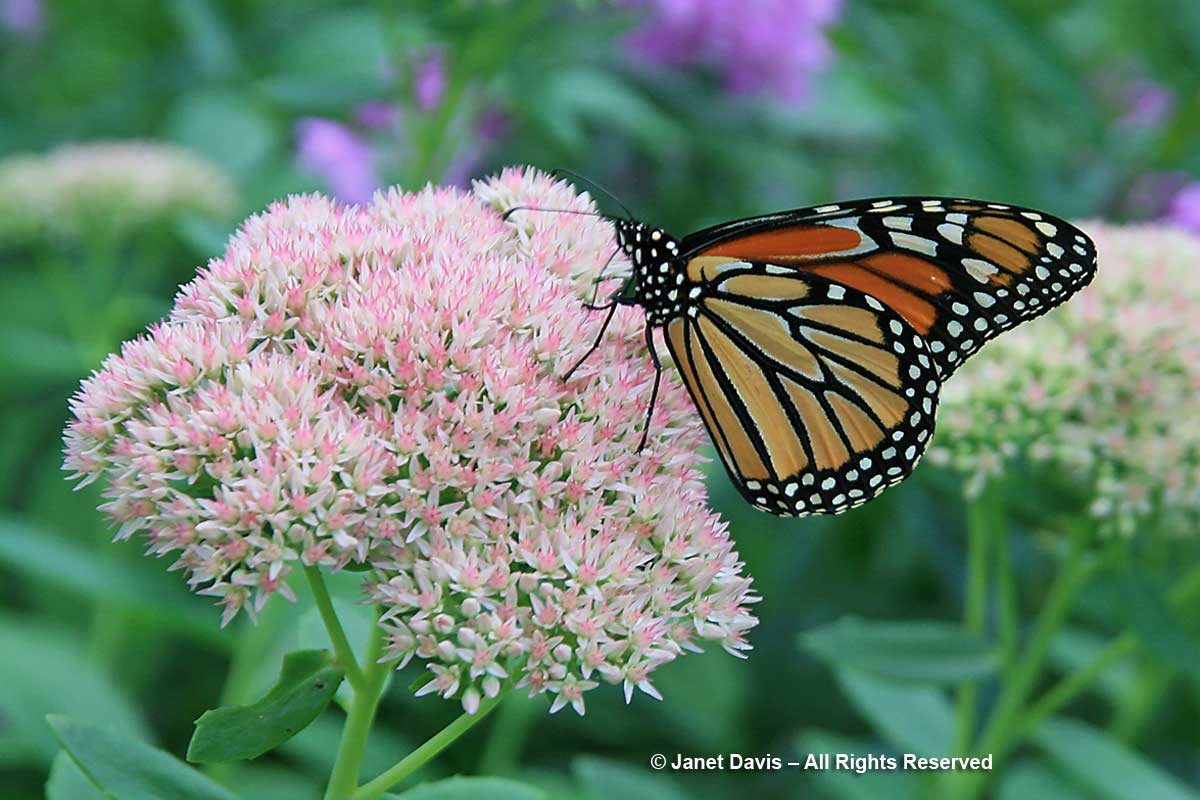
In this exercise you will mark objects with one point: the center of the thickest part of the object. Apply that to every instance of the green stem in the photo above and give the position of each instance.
(1070, 687)
(1185, 592)
(341, 645)
(974, 612)
(419, 757)
(1135, 708)
(1005, 721)
(350, 753)
(1007, 603)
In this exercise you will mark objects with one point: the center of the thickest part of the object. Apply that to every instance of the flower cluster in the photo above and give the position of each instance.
(109, 186)
(1103, 389)
(381, 385)
(772, 45)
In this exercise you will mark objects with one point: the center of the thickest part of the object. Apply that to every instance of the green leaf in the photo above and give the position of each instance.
(912, 718)
(129, 769)
(575, 98)
(1143, 602)
(44, 671)
(916, 650)
(845, 785)
(1107, 767)
(307, 682)
(150, 596)
(1033, 780)
(225, 126)
(459, 788)
(602, 779)
(67, 782)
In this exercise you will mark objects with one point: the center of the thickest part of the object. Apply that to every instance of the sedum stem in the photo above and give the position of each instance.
(341, 645)
(979, 530)
(419, 757)
(1006, 720)
(359, 719)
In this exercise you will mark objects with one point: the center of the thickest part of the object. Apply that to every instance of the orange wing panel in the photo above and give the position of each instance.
(918, 312)
(788, 245)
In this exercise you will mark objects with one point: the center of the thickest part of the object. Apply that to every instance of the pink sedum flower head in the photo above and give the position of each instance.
(1103, 390)
(380, 385)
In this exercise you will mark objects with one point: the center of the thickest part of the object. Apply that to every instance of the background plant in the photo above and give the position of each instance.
(1086, 109)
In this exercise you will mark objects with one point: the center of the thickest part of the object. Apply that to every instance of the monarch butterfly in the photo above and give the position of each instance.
(814, 341)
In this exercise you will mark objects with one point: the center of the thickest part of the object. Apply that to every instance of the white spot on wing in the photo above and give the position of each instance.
(918, 244)
(951, 232)
(979, 270)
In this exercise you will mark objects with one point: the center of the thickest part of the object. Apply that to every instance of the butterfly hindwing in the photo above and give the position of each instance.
(958, 271)
(816, 395)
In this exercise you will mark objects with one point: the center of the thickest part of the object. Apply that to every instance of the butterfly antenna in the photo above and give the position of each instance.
(575, 176)
(515, 209)
(654, 391)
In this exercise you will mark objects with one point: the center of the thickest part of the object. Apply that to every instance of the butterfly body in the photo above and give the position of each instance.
(814, 342)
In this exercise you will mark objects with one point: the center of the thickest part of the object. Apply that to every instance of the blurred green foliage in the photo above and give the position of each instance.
(1014, 100)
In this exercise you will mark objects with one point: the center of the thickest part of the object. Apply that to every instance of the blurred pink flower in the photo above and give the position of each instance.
(1184, 209)
(381, 385)
(377, 115)
(772, 45)
(24, 17)
(1148, 104)
(339, 156)
(429, 81)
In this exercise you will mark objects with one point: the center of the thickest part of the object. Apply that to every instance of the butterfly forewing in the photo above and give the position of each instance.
(958, 271)
(816, 395)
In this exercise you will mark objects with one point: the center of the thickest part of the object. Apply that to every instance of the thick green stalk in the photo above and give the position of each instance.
(979, 530)
(1005, 720)
(423, 754)
(344, 778)
(1008, 613)
(337, 636)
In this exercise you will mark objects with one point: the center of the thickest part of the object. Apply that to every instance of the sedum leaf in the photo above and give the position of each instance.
(1107, 767)
(129, 769)
(929, 651)
(307, 682)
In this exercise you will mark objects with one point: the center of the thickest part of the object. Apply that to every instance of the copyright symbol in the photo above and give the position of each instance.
(658, 761)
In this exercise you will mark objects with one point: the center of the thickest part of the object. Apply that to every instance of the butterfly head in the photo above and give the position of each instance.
(657, 269)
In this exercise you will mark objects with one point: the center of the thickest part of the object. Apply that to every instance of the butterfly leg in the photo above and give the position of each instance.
(654, 391)
(612, 309)
(596, 281)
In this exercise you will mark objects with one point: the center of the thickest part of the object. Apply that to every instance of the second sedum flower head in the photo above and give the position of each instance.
(1103, 390)
(381, 386)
